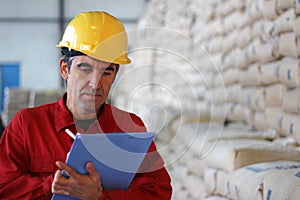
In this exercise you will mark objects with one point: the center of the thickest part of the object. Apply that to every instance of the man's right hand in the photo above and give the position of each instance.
(86, 187)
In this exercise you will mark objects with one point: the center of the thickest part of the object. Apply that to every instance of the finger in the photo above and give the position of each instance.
(64, 192)
(58, 183)
(57, 175)
(67, 169)
(56, 189)
(92, 171)
(60, 164)
(55, 180)
(59, 180)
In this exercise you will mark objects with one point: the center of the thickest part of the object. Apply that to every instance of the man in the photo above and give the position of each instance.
(34, 145)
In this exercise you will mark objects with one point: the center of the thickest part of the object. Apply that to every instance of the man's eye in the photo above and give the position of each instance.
(85, 68)
(107, 72)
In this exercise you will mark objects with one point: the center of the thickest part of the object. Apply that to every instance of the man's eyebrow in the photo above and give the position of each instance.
(110, 68)
(84, 64)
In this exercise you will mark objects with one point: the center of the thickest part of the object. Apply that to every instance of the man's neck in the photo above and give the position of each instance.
(85, 124)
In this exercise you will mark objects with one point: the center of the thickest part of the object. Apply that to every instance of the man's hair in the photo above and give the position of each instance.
(68, 54)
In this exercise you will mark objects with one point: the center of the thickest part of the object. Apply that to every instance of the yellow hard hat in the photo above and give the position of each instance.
(98, 35)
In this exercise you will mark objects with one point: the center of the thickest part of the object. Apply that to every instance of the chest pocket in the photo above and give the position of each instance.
(40, 165)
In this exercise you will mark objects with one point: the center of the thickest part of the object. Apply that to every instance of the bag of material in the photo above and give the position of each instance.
(289, 72)
(232, 154)
(247, 183)
(282, 184)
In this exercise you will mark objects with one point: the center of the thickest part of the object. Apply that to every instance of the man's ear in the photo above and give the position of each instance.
(63, 68)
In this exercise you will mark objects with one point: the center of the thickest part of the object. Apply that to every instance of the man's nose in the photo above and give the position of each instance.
(95, 80)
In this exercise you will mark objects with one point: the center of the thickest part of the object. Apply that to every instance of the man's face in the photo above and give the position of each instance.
(88, 84)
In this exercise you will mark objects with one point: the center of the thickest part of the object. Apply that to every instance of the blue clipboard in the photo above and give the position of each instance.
(116, 156)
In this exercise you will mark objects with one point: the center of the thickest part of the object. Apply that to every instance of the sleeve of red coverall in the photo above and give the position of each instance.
(15, 180)
(153, 181)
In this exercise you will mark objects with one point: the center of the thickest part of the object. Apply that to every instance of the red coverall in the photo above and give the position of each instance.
(35, 139)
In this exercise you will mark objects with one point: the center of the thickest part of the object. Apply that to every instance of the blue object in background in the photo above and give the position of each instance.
(9, 77)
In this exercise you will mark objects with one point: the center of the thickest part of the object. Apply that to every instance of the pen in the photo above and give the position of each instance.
(70, 133)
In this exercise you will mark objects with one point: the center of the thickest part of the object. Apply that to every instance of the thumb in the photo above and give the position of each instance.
(92, 171)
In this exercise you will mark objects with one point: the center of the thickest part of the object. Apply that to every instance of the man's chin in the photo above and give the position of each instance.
(91, 107)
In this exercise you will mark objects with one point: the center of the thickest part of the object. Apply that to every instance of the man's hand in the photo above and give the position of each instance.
(86, 187)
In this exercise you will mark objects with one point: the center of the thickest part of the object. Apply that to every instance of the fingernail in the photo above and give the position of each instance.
(58, 164)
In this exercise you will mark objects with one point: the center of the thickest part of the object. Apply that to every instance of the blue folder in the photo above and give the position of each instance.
(116, 157)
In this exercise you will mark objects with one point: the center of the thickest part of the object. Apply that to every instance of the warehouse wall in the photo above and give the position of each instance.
(29, 31)
(27, 36)
(199, 64)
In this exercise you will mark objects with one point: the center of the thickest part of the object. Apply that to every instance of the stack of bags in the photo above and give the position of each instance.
(16, 99)
(40, 97)
(220, 61)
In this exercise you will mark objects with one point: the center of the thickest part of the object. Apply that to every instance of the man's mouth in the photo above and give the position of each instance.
(95, 95)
